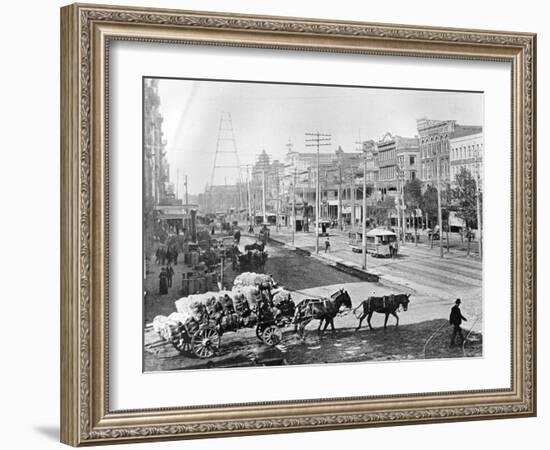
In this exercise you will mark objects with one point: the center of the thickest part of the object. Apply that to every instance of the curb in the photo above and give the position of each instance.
(342, 266)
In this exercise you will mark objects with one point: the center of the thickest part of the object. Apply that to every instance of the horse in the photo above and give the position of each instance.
(387, 305)
(322, 309)
(254, 246)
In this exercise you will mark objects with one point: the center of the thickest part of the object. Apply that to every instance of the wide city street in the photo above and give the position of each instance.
(423, 332)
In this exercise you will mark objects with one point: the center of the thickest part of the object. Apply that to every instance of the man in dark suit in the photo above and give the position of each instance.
(456, 319)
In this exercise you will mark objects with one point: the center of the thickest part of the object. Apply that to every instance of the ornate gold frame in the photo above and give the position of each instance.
(86, 31)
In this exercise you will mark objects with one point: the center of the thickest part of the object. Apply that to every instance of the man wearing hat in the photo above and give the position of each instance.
(456, 319)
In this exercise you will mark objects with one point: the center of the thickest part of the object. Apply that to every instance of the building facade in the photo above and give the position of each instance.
(398, 160)
(467, 153)
(435, 136)
(156, 169)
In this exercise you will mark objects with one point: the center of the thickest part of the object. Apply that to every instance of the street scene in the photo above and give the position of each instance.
(307, 224)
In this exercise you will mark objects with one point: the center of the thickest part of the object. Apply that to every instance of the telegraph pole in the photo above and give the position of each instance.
(263, 195)
(439, 220)
(364, 215)
(478, 207)
(340, 196)
(186, 192)
(293, 205)
(277, 208)
(317, 140)
(352, 198)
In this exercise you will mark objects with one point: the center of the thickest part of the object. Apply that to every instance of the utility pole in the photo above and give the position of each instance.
(317, 140)
(478, 206)
(277, 207)
(403, 204)
(439, 220)
(364, 215)
(340, 196)
(352, 198)
(249, 202)
(263, 195)
(293, 205)
(401, 199)
(186, 193)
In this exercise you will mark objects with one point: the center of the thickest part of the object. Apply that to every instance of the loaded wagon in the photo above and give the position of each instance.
(201, 320)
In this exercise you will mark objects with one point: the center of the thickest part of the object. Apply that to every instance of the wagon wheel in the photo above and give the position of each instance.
(182, 343)
(205, 342)
(181, 340)
(260, 332)
(272, 335)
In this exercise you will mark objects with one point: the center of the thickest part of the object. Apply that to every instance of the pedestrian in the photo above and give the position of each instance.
(169, 275)
(157, 255)
(327, 245)
(163, 282)
(455, 319)
(237, 237)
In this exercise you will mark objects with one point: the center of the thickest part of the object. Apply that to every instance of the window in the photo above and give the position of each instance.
(411, 160)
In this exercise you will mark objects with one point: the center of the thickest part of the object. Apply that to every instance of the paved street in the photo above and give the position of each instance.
(416, 267)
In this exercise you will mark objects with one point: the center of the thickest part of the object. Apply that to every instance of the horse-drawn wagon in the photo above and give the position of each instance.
(201, 320)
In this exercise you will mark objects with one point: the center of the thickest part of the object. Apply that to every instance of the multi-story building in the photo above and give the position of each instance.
(467, 153)
(398, 161)
(156, 169)
(435, 146)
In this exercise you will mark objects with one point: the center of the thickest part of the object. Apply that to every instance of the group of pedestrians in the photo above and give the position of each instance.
(165, 279)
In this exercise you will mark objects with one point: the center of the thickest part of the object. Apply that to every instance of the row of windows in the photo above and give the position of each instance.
(401, 160)
(386, 155)
(434, 139)
(429, 170)
(387, 173)
(432, 148)
(466, 152)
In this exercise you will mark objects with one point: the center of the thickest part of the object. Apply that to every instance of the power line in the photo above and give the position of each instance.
(317, 140)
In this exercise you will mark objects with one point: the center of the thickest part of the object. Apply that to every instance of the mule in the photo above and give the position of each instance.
(388, 304)
(321, 309)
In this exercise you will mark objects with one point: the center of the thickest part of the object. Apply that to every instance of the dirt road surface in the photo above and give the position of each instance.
(423, 330)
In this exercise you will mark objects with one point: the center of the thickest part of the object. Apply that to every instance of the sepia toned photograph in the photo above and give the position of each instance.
(294, 224)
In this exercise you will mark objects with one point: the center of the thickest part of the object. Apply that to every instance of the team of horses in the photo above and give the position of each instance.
(326, 309)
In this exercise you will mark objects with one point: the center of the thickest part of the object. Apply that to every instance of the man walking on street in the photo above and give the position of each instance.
(455, 320)
(327, 245)
(169, 275)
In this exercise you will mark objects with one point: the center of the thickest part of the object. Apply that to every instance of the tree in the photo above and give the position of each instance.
(412, 191)
(428, 204)
(464, 198)
(382, 209)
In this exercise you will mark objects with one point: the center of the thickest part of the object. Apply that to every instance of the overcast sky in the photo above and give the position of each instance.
(267, 116)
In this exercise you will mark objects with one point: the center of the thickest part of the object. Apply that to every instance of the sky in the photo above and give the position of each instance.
(269, 116)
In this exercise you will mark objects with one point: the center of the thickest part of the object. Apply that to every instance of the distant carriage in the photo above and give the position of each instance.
(263, 235)
(379, 242)
(253, 259)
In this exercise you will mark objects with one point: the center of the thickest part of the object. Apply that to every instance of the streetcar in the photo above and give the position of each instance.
(380, 242)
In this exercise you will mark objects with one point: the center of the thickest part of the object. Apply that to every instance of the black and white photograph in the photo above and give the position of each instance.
(296, 224)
